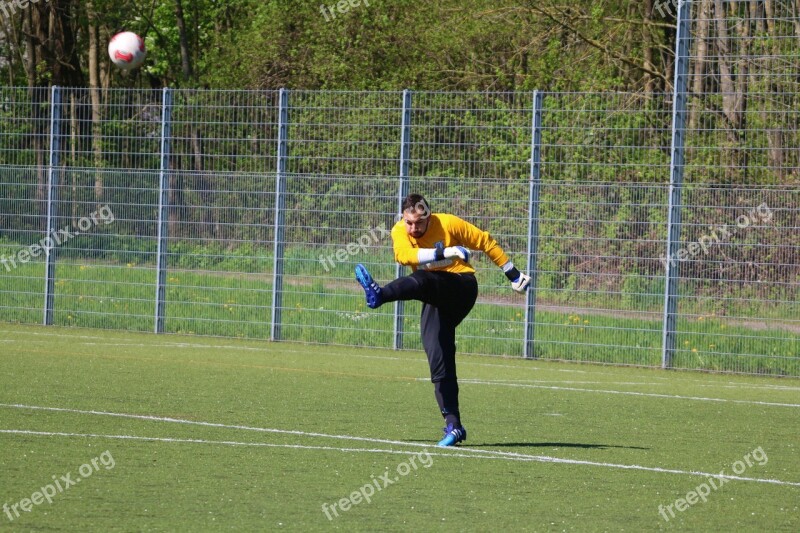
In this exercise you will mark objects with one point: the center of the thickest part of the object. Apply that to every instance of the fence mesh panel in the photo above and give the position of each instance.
(738, 291)
(271, 197)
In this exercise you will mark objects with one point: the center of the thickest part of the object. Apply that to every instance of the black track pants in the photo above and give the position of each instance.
(447, 299)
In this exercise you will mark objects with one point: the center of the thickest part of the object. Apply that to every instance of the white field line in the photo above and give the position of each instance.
(628, 393)
(43, 334)
(236, 443)
(223, 347)
(189, 345)
(644, 383)
(508, 383)
(421, 361)
(459, 451)
(273, 350)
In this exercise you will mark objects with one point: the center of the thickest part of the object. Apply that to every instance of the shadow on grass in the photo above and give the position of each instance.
(553, 445)
(542, 445)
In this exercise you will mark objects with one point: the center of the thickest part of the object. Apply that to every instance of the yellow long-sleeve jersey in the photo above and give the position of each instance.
(450, 231)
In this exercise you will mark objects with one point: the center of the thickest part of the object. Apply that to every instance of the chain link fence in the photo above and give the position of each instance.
(661, 229)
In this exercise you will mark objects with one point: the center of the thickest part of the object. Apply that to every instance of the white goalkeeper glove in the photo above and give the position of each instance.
(429, 255)
(519, 281)
(457, 251)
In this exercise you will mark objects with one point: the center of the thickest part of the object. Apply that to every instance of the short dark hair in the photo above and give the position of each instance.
(416, 202)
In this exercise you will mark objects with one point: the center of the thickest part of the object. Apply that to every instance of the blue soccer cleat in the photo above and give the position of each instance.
(371, 289)
(453, 435)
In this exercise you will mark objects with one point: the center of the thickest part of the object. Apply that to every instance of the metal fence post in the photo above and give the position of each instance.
(682, 41)
(280, 188)
(52, 199)
(402, 192)
(533, 222)
(163, 208)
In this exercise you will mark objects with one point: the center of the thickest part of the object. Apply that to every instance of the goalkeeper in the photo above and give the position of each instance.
(437, 248)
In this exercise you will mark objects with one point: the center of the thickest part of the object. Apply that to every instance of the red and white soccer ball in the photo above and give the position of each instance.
(126, 50)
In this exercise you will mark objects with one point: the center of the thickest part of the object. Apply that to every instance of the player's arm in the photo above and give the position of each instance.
(477, 239)
(408, 255)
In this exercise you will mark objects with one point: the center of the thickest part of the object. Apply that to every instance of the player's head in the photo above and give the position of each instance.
(416, 215)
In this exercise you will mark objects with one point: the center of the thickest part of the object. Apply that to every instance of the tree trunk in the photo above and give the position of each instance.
(775, 140)
(31, 45)
(60, 49)
(647, 38)
(797, 20)
(743, 29)
(186, 64)
(733, 82)
(32, 24)
(9, 37)
(725, 69)
(94, 96)
(204, 187)
(50, 58)
(700, 61)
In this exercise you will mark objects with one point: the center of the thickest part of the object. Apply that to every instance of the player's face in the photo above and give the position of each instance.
(416, 222)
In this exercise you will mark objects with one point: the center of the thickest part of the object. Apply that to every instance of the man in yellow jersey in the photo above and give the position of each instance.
(437, 248)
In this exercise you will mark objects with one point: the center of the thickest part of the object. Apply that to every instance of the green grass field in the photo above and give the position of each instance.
(194, 434)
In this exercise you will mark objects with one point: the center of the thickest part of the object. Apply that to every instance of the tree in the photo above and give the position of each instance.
(94, 95)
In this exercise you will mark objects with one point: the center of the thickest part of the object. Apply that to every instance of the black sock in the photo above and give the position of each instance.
(452, 418)
(446, 393)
